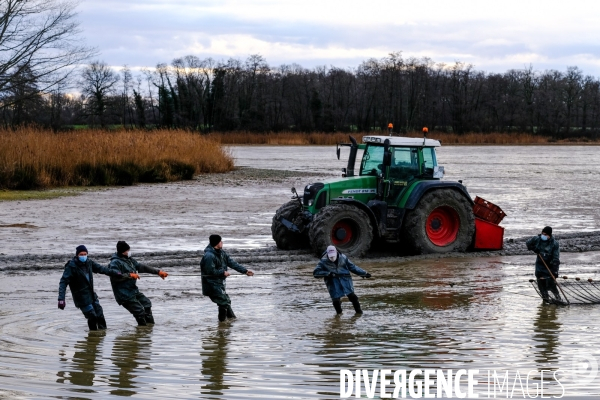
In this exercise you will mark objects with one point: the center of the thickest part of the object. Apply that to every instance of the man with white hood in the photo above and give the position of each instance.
(334, 267)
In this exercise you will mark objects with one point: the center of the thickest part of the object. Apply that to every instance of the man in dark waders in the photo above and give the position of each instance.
(214, 266)
(126, 291)
(79, 276)
(546, 248)
(334, 267)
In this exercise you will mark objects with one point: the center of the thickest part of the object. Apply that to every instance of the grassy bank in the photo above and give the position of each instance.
(322, 138)
(18, 195)
(34, 159)
(45, 194)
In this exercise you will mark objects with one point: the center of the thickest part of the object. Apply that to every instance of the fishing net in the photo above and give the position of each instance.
(571, 291)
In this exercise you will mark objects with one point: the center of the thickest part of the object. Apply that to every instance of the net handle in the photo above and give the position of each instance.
(552, 275)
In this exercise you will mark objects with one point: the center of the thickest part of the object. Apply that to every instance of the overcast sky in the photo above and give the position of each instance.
(492, 35)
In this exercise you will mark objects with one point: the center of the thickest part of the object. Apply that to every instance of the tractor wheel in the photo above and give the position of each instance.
(284, 238)
(346, 227)
(442, 222)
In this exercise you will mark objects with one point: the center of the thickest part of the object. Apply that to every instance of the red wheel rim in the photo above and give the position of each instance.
(342, 233)
(442, 226)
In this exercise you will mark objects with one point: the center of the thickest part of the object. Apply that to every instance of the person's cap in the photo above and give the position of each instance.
(122, 246)
(80, 248)
(547, 230)
(331, 251)
(214, 240)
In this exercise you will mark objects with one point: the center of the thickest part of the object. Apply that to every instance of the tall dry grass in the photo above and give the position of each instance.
(282, 138)
(490, 138)
(36, 158)
(322, 138)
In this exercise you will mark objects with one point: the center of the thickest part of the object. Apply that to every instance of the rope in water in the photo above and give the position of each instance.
(255, 274)
(451, 284)
(575, 289)
(521, 294)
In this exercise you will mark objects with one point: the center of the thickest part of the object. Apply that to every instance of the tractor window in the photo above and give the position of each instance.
(429, 157)
(372, 161)
(405, 163)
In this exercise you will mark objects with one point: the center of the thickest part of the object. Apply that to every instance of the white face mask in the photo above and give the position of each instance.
(544, 237)
(333, 257)
(130, 254)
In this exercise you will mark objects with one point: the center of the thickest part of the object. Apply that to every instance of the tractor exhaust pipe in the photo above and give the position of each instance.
(352, 157)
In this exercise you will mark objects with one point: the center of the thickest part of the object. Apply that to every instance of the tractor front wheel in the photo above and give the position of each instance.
(346, 227)
(442, 222)
(284, 238)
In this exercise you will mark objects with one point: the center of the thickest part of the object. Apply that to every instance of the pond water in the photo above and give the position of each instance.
(535, 185)
(477, 313)
(473, 313)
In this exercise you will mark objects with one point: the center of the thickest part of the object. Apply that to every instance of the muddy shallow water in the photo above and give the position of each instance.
(286, 341)
(555, 184)
(535, 185)
(424, 312)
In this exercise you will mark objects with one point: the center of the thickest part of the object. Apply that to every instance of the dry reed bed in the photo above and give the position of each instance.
(282, 138)
(490, 138)
(34, 158)
(323, 138)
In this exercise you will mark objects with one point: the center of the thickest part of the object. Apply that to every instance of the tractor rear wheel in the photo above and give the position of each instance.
(442, 222)
(284, 238)
(346, 227)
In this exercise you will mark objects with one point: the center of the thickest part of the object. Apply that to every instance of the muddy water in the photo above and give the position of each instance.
(286, 342)
(533, 184)
(476, 313)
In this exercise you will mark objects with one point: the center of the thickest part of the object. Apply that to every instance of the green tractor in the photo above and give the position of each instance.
(397, 198)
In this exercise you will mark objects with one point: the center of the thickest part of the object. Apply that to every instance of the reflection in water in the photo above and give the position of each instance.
(85, 359)
(430, 299)
(545, 334)
(345, 345)
(131, 353)
(338, 333)
(423, 313)
(214, 363)
(439, 285)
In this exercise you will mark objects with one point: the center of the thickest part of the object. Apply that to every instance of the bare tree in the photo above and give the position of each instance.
(41, 38)
(127, 112)
(572, 90)
(98, 84)
(138, 100)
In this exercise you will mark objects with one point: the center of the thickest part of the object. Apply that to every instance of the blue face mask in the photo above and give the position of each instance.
(82, 258)
(544, 237)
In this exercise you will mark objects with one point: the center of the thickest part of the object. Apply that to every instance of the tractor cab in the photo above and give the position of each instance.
(395, 161)
(399, 157)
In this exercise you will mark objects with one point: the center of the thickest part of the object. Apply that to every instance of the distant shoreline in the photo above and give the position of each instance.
(447, 139)
(568, 144)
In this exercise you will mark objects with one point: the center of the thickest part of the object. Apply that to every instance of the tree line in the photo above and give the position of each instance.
(39, 84)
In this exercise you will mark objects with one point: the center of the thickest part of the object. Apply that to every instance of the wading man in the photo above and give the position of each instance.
(126, 291)
(79, 276)
(547, 250)
(214, 267)
(334, 267)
